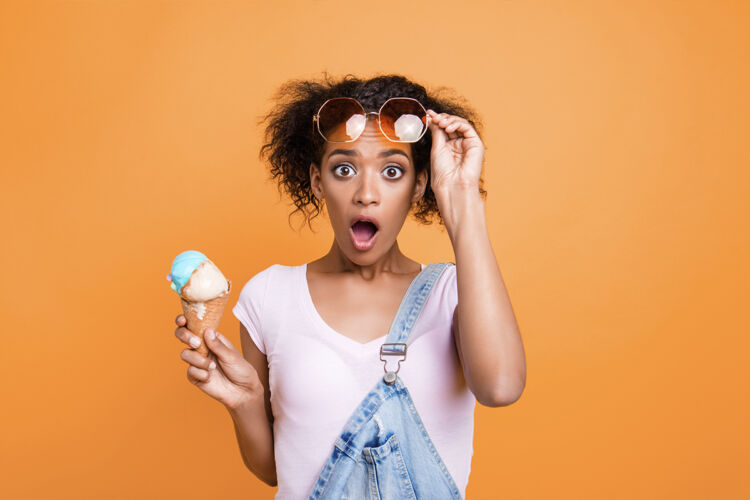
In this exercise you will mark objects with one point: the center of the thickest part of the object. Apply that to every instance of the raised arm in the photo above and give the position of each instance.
(484, 325)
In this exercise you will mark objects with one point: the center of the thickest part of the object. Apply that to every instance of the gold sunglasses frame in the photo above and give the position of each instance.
(316, 120)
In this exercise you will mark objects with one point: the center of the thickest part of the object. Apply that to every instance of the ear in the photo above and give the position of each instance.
(316, 183)
(419, 186)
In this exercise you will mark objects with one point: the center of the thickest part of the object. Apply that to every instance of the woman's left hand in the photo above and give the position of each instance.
(457, 153)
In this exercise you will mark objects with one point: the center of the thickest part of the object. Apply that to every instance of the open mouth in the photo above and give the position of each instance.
(363, 234)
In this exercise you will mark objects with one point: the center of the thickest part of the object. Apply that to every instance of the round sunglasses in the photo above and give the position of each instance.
(343, 119)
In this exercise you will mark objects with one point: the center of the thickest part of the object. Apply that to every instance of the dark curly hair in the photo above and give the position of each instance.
(290, 144)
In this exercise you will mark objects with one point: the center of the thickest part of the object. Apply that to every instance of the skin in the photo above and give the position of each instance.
(362, 182)
(484, 325)
(486, 333)
(353, 178)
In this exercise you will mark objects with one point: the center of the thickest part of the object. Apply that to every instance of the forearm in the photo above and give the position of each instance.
(491, 344)
(255, 438)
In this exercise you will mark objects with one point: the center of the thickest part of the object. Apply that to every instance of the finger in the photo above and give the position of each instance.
(187, 337)
(438, 136)
(445, 117)
(454, 123)
(216, 342)
(194, 358)
(449, 119)
(180, 320)
(227, 342)
(449, 126)
(445, 120)
(438, 117)
(462, 128)
(442, 118)
(196, 374)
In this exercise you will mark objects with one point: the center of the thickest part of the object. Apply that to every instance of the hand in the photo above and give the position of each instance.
(457, 153)
(225, 374)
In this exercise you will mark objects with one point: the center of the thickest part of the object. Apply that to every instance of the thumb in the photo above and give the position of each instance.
(226, 342)
(217, 346)
(438, 136)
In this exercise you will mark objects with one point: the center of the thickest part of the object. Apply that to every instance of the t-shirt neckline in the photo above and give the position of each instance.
(315, 316)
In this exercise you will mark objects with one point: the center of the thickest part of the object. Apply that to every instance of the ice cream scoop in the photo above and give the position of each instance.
(203, 292)
(194, 277)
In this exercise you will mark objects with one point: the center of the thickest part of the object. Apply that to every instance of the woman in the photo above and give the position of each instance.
(311, 334)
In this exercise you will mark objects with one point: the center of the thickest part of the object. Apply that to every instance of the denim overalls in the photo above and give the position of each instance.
(384, 451)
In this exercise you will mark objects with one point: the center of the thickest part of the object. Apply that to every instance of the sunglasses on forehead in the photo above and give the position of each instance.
(343, 119)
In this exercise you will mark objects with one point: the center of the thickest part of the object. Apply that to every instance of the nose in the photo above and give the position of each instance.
(367, 192)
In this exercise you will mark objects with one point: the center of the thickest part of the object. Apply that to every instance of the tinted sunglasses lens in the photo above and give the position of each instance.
(341, 119)
(403, 120)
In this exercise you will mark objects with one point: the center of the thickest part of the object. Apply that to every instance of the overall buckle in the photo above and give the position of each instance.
(392, 349)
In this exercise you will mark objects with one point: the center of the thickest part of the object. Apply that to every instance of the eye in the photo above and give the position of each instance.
(391, 169)
(344, 168)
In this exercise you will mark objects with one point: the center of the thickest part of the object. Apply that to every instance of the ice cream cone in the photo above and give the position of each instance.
(202, 315)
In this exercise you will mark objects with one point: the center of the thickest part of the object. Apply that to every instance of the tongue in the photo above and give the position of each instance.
(363, 231)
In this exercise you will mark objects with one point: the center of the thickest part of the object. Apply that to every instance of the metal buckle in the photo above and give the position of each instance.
(392, 349)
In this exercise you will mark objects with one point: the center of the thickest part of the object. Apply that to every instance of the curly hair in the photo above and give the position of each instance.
(290, 145)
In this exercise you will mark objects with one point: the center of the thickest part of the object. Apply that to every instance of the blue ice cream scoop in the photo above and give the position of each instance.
(183, 267)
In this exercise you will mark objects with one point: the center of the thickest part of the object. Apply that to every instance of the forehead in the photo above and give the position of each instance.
(372, 143)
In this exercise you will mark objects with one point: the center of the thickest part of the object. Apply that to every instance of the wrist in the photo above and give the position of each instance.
(458, 206)
(246, 403)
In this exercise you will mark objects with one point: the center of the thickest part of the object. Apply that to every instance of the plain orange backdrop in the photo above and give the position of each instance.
(617, 175)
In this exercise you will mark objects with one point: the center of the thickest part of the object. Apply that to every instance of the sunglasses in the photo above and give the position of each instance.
(343, 119)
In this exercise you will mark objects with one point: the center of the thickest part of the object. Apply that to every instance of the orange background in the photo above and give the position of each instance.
(617, 177)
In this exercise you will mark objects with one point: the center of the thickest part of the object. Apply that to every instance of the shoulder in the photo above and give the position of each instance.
(448, 276)
(262, 290)
(258, 280)
(444, 294)
(258, 285)
(448, 288)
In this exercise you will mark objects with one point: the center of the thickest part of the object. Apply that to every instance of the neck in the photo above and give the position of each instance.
(368, 267)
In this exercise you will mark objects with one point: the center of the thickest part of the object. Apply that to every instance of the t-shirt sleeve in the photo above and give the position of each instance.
(249, 307)
(451, 291)
(440, 305)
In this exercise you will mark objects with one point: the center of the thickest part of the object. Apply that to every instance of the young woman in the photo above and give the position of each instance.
(311, 334)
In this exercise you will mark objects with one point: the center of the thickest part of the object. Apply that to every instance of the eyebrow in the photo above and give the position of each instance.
(354, 152)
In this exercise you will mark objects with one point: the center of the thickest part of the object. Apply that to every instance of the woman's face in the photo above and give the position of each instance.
(371, 176)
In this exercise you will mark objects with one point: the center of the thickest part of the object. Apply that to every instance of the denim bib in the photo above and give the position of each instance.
(384, 451)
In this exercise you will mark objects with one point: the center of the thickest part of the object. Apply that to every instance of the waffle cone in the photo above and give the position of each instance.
(211, 316)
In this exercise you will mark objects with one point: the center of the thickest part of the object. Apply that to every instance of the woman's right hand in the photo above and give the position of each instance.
(225, 374)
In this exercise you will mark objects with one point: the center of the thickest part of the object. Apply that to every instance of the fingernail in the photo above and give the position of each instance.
(210, 334)
(212, 365)
(195, 342)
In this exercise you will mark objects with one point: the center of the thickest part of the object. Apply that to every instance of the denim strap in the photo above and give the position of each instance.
(408, 312)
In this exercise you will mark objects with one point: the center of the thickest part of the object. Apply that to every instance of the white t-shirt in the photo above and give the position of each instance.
(318, 377)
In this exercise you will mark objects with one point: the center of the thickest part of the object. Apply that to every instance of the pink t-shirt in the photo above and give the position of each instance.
(317, 376)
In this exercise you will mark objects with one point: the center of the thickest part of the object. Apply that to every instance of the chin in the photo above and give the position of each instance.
(362, 257)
